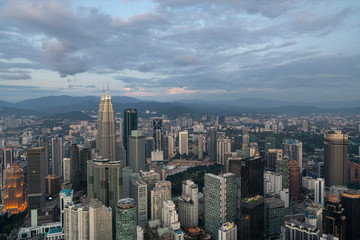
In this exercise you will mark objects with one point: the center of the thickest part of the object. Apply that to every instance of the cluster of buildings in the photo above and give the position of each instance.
(112, 184)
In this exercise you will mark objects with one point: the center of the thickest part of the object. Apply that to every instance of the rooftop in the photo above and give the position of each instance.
(67, 192)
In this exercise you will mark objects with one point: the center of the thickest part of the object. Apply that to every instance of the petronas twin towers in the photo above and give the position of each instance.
(105, 142)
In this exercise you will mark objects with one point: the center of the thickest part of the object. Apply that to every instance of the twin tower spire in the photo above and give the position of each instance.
(105, 140)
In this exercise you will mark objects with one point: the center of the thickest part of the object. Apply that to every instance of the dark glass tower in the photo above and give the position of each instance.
(157, 133)
(130, 123)
(351, 202)
(213, 144)
(75, 166)
(334, 220)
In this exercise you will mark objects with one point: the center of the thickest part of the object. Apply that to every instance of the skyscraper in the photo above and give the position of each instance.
(351, 202)
(213, 143)
(334, 217)
(270, 143)
(75, 166)
(130, 123)
(223, 146)
(14, 197)
(200, 146)
(293, 149)
(136, 151)
(335, 158)
(319, 190)
(85, 155)
(183, 143)
(188, 205)
(126, 219)
(274, 217)
(282, 167)
(104, 181)
(105, 141)
(36, 178)
(57, 156)
(157, 133)
(219, 201)
(138, 191)
(295, 180)
(158, 196)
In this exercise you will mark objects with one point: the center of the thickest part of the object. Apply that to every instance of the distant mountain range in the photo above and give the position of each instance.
(78, 108)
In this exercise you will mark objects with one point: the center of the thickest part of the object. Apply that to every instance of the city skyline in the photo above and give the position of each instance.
(169, 50)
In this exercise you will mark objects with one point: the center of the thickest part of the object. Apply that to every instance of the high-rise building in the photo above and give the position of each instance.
(66, 196)
(75, 166)
(183, 142)
(200, 146)
(6, 157)
(130, 123)
(52, 183)
(334, 217)
(293, 149)
(138, 191)
(126, 219)
(67, 169)
(104, 181)
(223, 146)
(228, 231)
(150, 178)
(158, 196)
(14, 197)
(305, 127)
(245, 139)
(252, 192)
(295, 179)
(319, 190)
(171, 145)
(85, 156)
(92, 221)
(219, 201)
(270, 158)
(57, 156)
(272, 182)
(189, 205)
(320, 170)
(105, 139)
(274, 217)
(335, 158)
(157, 133)
(270, 143)
(213, 144)
(294, 230)
(126, 173)
(36, 178)
(282, 167)
(170, 217)
(136, 149)
(314, 215)
(351, 201)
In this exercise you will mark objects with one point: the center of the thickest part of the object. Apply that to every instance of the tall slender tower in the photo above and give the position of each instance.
(130, 123)
(106, 128)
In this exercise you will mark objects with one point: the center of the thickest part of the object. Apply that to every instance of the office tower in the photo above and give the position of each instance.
(223, 146)
(213, 144)
(157, 133)
(274, 217)
(66, 196)
(293, 149)
(126, 219)
(252, 191)
(219, 201)
(6, 157)
(158, 196)
(270, 143)
(282, 167)
(126, 173)
(319, 190)
(245, 139)
(85, 156)
(149, 146)
(150, 178)
(314, 215)
(165, 147)
(104, 181)
(14, 197)
(130, 123)
(171, 145)
(200, 146)
(254, 149)
(75, 166)
(56, 156)
(295, 179)
(67, 166)
(120, 153)
(183, 142)
(305, 126)
(138, 191)
(136, 146)
(320, 170)
(189, 205)
(36, 178)
(334, 217)
(228, 231)
(351, 202)
(272, 182)
(294, 230)
(285, 196)
(354, 169)
(335, 158)
(270, 158)
(105, 139)
(92, 221)
(52, 185)
(121, 130)
(170, 216)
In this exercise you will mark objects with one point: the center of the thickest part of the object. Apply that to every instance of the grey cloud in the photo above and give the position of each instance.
(15, 76)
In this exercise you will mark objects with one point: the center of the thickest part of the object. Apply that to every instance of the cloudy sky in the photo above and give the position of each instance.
(181, 49)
